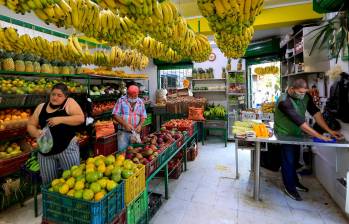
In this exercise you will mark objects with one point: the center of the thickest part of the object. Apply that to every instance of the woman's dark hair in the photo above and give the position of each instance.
(63, 87)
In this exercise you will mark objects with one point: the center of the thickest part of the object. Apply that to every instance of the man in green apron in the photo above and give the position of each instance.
(290, 121)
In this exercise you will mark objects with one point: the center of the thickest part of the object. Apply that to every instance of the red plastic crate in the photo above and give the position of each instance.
(106, 145)
(121, 218)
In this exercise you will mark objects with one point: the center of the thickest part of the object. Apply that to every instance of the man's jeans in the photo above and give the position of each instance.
(123, 139)
(289, 156)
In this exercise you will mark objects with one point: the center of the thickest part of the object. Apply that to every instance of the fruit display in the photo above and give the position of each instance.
(125, 24)
(55, 52)
(179, 124)
(14, 118)
(39, 86)
(266, 70)
(215, 112)
(236, 88)
(106, 90)
(236, 77)
(232, 22)
(143, 154)
(102, 107)
(242, 128)
(9, 149)
(92, 180)
(261, 130)
(268, 107)
(202, 73)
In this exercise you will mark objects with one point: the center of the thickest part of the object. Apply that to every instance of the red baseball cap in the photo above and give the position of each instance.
(133, 91)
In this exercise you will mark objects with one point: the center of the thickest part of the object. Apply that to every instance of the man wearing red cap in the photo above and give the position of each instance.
(130, 113)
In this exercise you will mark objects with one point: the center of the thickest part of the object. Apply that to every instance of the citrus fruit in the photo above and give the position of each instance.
(111, 185)
(66, 174)
(74, 167)
(64, 189)
(76, 172)
(92, 176)
(81, 177)
(116, 170)
(90, 161)
(116, 177)
(118, 163)
(87, 195)
(99, 162)
(71, 193)
(120, 158)
(78, 194)
(55, 182)
(79, 185)
(101, 168)
(127, 164)
(108, 170)
(102, 182)
(95, 187)
(126, 173)
(99, 196)
(71, 182)
(109, 160)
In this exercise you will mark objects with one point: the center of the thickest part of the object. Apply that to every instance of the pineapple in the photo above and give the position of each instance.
(29, 67)
(65, 69)
(72, 70)
(55, 68)
(229, 65)
(19, 63)
(37, 66)
(7, 62)
(45, 66)
(79, 69)
(224, 74)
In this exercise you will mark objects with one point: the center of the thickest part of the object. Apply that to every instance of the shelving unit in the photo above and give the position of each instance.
(214, 90)
(237, 95)
(296, 60)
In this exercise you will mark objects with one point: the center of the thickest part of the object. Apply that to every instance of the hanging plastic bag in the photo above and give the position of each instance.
(45, 141)
(135, 138)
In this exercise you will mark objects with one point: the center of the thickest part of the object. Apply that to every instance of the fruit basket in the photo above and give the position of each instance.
(62, 209)
(105, 145)
(137, 209)
(134, 185)
(10, 165)
(10, 100)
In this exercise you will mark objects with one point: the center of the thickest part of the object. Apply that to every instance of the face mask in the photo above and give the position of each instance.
(298, 96)
(132, 100)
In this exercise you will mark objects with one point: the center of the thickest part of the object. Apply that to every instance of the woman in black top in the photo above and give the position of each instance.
(61, 114)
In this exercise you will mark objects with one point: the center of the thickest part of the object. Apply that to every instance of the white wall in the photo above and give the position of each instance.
(220, 62)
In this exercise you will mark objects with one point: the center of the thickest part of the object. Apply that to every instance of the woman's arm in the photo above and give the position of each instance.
(33, 122)
(75, 118)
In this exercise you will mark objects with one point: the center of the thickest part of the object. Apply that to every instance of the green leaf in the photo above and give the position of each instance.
(318, 37)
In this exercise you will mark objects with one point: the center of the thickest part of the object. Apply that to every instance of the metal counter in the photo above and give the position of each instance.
(306, 141)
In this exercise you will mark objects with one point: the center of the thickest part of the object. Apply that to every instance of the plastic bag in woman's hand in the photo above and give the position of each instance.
(135, 138)
(45, 141)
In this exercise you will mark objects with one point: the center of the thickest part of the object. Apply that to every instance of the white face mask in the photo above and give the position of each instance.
(132, 100)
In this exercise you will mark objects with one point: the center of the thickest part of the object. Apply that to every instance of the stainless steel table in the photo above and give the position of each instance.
(281, 140)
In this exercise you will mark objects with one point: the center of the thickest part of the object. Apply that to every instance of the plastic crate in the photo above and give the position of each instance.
(134, 185)
(62, 209)
(13, 164)
(137, 210)
(106, 145)
(154, 203)
(176, 171)
(35, 99)
(180, 142)
(10, 100)
(11, 133)
(121, 218)
(151, 167)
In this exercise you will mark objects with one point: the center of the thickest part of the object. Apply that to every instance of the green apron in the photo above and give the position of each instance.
(283, 125)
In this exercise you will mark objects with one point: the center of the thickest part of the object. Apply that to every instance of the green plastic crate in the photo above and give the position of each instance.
(137, 210)
(62, 209)
(148, 120)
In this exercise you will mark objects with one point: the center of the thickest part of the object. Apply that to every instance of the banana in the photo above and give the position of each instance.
(11, 34)
(111, 4)
(49, 11)
(165, 13)
(173, 9)
(123, 25)
(64, 6)
(38, 4)
(158, 11)
(247, 10)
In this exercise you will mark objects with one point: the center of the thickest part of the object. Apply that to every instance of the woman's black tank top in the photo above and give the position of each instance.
(62, 134)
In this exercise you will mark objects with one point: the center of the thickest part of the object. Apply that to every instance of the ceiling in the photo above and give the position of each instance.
(189, 8)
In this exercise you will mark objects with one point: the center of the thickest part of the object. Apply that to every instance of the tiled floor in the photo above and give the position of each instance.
(208, 194)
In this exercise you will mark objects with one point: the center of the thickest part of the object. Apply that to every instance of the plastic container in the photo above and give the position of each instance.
(10, 100)
(62, 209)
(121, 218)
(137, 209)
(154, 203)
(134, 185)
(106, 145)
(13, 164)
(11, 133)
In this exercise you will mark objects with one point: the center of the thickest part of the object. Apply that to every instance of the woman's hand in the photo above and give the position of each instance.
(38, 133)
(53, 121)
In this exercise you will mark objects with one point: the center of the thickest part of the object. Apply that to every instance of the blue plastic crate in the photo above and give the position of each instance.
(62, 209)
